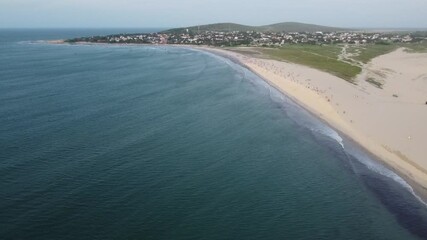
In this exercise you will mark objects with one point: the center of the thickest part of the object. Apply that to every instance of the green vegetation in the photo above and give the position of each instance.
(299, 27)
(324, 58)
(370, 51)
(217, 27)
(420, 47)
(365, 53)
(278, 27)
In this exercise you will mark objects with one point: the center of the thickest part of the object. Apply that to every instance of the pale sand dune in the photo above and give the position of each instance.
(392, 128)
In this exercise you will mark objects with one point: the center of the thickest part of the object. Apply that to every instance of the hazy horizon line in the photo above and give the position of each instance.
(171, 27)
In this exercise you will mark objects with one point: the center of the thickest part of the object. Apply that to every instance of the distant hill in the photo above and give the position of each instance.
(218, 27)
(299, 27)
(278, 27)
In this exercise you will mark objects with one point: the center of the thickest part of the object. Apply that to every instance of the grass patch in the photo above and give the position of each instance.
(324, 58)
(245, 51)
(370, 51)
(349, 60)
(353, 49)
(420, 47)
(331, 51)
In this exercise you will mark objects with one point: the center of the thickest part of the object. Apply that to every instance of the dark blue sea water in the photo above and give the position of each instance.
(153, 142)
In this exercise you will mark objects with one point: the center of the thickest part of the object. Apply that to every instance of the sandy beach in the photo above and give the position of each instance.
(389, 122)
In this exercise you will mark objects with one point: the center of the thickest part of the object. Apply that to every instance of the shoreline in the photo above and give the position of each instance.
(335, 123)
(316, 105)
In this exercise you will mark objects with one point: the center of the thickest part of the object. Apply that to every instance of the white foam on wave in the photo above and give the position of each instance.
(329, 132)
(384, 171)
(371, 164)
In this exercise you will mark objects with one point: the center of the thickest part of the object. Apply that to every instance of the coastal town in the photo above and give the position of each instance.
(253, 38)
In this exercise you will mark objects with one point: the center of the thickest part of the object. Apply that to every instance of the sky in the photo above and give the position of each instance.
(181, 13)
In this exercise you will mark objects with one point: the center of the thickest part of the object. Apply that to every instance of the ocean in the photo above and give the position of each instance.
(161, 142)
